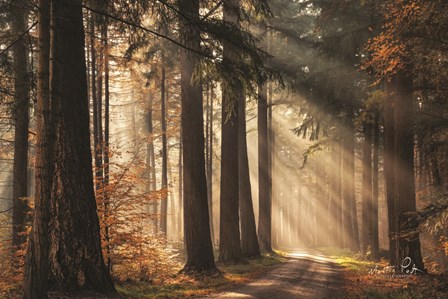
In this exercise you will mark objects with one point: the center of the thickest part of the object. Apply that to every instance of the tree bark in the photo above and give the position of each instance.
(36, 266)
(21, 124)
(249, 241)
(229, 231)
(264, 198)
(264, 218)
(75, 232)
(196, 218)
(408, 245)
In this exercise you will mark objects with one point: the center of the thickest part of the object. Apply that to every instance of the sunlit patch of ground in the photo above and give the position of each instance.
(182, 286)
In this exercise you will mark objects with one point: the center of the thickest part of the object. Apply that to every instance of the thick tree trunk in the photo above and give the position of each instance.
(249, 241)
(21, 123)
(75, 232)
(36, 266)
(229, 230)
(164, 201)
(196, 219)
(408, 245)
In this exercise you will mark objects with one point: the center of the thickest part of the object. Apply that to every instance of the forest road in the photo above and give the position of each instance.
(305, 275)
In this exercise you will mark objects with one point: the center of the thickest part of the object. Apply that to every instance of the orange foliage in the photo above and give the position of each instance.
(130, 248)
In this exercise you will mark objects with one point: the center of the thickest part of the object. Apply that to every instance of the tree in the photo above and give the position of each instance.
(265, 205)
(229, 231)
(196, 219)
(164, 203)
(19, 11)
(404, 184)
(36, 267)
(367, 187)
(72, 243)
(249, 241)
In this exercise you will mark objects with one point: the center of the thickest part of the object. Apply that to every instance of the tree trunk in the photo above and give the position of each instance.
(75, 232)
(151, 164)
(180, 191)
(21, 123)
(376, 148)
(338, 191)
(264, 198)
(249, 241)
(351, 238)
(164, 200)
(229, 231)
(349, 192)
(196, 218)
(94, 93)
(104, 37)
(389, 174)
(36, 266)
(367, 187)
(408, 245)
(210, 164)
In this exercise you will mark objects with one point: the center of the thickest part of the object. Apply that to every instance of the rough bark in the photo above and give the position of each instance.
(75, 232)
(196, 219)
(36, 266)
(229, 231)
(408, 245)
(249, 241)
(21, 123)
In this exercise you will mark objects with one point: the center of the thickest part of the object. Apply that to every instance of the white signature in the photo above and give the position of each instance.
(403, 269)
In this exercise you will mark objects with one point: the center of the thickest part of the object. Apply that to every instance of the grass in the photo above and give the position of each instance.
(362, 284)
(181, 286)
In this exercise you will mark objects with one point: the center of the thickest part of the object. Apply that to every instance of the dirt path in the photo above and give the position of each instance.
(305, 275)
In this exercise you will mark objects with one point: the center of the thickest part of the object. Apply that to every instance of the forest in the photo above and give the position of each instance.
(223, 149)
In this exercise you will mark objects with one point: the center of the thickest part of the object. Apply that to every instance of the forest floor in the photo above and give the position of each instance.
(329, 273)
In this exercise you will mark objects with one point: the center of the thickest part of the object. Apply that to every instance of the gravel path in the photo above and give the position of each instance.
(305, 275)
